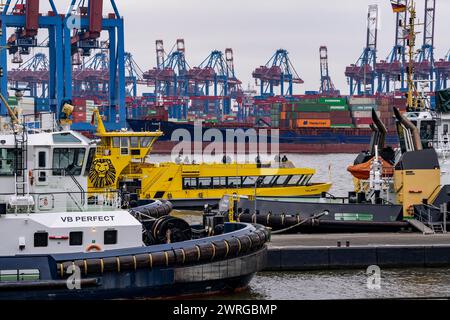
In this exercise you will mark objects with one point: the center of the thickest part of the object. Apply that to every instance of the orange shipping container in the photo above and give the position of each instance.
(314, 123)
(283, 116)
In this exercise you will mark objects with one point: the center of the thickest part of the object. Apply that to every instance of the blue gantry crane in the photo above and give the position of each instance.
(278, 71)
(216, 72)
(32, 77)
(361, 75)
(326, 84)
(393, 69)
(83, 25)
(424, 64)
(171, 78)
(442, 68)
(23, 17)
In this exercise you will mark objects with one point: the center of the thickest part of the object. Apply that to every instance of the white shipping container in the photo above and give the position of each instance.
(361, 101)
(364, 114)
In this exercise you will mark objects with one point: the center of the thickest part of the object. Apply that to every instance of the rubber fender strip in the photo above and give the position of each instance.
(240, 245)
(198, 252)
(85, 267)
(251, 242)
(184, 255)
(166, 257)
(214, 251)
(135, 263)
(228, 247)
(102, 266)
(150, 260)
(118, 264)
(61, 270)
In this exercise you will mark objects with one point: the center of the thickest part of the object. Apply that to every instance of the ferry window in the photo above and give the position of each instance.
(116, 142)
(76, 238)
(134, 142)
(90, 159)
(41, 239)
(7, 162)
(234, 182)
(295, 180)
(68, 161)
(145, 141)
(219, 182)
(445, 128)
(306, 181)
(110, 237)
(249, 182)
(42, 163)
(281, 180)
(267, 181)
(204, 183)
(190, 183)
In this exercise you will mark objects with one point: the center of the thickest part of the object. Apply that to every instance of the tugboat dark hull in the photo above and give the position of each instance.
(298, 216)
(214, 265)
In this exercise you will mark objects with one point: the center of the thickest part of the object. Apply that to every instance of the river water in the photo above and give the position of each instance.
(346, 284)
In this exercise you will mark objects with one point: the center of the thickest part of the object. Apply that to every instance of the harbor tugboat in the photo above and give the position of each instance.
(63, 241)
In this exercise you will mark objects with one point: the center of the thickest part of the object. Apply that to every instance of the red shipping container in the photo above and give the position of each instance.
(313, 115)
(359, 121)
(79, 102)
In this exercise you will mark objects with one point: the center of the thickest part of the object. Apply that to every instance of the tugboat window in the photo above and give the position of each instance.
(7, 162)
(41, 239)
(249, 182)
(110, 237)
(281, 181)
(68, 160)
(42, 163)
(190, 183)
(76, 238)
(90, 159)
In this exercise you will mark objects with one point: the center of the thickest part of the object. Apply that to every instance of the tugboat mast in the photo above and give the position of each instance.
(412, 90)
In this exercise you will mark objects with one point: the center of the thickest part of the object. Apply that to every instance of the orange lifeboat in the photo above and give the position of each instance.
(362, 171)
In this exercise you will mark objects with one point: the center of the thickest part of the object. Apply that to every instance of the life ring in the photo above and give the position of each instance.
(93, 247)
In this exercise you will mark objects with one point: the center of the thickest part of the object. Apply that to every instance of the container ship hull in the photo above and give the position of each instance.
(300, 140)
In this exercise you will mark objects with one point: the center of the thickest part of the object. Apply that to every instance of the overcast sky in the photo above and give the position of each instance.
(256, 28)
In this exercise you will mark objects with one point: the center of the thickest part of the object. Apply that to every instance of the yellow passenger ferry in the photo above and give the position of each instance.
(120, 162)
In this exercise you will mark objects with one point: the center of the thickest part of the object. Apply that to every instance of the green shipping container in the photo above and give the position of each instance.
(333, 101)
(12, 101)
(312, 108)
(339, 108)
(346, 126)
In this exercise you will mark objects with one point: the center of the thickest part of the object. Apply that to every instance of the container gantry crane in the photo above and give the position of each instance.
(83, 25)
(393, 68)
(171, 78)
(32, 76)
(326, 84)
(361, 76)
(442, 68)
(216, 72)
(24, 17)
(91, 78)
(278, 71)
(424, 64)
